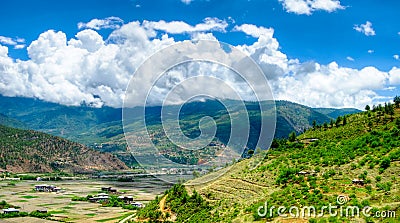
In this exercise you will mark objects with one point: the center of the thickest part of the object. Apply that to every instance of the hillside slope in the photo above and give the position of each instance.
(31, 151)
(365, 147)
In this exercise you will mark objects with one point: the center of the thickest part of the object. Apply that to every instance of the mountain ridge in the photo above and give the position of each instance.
(24, 151)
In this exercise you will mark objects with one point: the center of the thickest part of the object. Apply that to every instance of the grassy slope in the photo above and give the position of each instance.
(360, 149)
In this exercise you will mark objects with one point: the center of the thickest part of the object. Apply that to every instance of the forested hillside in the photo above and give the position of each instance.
(31, 151)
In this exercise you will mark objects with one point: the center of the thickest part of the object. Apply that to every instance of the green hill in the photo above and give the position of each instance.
(31, 151)
(317, 169)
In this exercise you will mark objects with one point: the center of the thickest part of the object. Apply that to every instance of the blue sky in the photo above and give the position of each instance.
(319, 36)
(322, 36)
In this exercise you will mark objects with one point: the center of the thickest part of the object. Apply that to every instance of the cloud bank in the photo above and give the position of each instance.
(95, 70)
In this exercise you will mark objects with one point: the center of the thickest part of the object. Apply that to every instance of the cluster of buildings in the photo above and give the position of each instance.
(104, 197)
(47, 188)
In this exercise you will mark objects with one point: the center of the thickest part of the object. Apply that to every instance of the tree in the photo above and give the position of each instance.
(344, 120)
(385, 162)
(367, 108)
(292, 136)
(390, 110)
(396, 101)
(338, 120)
(386, 108)
(314, 123)
(331, 123)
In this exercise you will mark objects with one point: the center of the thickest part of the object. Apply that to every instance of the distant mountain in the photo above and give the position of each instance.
(334, 113)
(32, 151)
(7, 121)
(101, 128)
(82, 124)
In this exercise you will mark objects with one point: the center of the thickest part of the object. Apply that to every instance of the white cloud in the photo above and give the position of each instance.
(19, 46)
(331, 86)
(254, 31)
(371, 51)
(350, 58)
(97, 24)
(394, 76)
(97, 71)
(308, 6)
(396, 57)
(178, 27)
(203, 36)
(87, 39)
(265, 51)
(7, 40)
(187, 2)
(326, 5)
(366, 29)
(18, 43)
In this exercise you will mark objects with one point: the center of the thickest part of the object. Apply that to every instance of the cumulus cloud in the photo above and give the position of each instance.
(396, 57)
(7, 40)
(94, 69)
(255, 31)
(97, 24)
(265, 51)
(394, 76)
(18, 43)
(332, 86)
(366, 29)
(308, 6)
(178, 27)
(371, 51)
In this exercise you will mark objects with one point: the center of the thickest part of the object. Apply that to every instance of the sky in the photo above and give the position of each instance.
(320, 53)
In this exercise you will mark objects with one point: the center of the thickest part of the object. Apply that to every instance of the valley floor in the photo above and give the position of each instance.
(22, 194)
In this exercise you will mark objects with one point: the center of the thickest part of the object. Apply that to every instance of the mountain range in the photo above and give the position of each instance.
(101, 128)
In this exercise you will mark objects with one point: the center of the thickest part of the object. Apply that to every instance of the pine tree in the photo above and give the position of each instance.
(396, 101)
(338, 120)
(292, 136)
